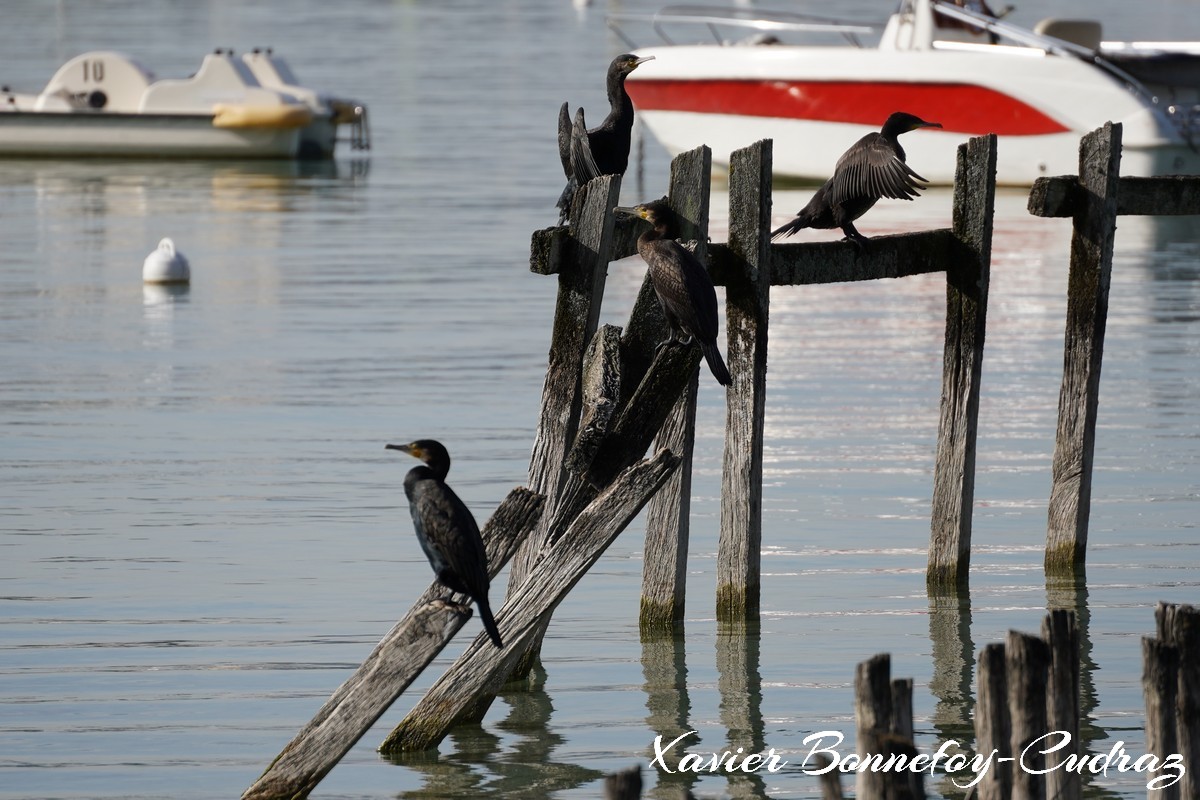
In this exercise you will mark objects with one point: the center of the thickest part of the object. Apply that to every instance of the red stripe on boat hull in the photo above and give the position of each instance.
(960, 107)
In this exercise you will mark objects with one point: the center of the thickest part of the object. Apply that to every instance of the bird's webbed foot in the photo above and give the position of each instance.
(855, 238)
(666, 342)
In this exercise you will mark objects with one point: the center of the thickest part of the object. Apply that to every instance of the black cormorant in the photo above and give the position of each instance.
(681, 282)
(872, 168)
(604, 150)
(445, 528)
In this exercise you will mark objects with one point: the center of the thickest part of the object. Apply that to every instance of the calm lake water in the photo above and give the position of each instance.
(202, 535)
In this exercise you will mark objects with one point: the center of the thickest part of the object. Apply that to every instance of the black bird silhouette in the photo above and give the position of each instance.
(872, 168)
(681, 283)
(445, 528)
(604, 150)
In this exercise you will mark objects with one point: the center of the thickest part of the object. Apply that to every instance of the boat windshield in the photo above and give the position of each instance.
(681, 24)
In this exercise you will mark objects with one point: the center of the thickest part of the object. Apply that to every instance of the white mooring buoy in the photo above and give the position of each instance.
(166, 265)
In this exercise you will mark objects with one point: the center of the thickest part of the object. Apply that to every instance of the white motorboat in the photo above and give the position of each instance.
(1038, 90)
(105, 103)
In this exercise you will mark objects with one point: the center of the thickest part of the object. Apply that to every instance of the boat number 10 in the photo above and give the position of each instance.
(93, 71)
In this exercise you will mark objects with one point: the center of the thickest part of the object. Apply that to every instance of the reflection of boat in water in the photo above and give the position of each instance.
(137, 187)
(1039, 90)
(107, 104)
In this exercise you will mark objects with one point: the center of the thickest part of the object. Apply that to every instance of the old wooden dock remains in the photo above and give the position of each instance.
(609, 394)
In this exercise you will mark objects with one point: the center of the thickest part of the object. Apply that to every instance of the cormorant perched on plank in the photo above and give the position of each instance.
(604, 150)
(873, 168)
(681, 282)
(445, 528)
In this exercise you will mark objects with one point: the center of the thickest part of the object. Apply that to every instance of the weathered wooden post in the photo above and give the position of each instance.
(1160, 679)
(1027, 666)
(747, 302)
(1095, 223)
(664, 568)
(903, 784)
(993, 728)
(1061, 633)
(1174, 675)
(872, 720)
(584, 251)
(967, 280)
(396, 661)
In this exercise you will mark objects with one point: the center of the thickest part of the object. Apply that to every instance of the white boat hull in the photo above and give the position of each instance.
(807, 150)
(142, 135)
(815, 101)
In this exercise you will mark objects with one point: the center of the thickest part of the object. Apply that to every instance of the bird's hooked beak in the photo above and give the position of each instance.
(643, 60)
(411, 449)
(924, 124)
(633, 211)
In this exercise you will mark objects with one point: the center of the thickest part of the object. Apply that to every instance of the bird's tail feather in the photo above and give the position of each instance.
(489, 622)
(793, 225)
(717, 364)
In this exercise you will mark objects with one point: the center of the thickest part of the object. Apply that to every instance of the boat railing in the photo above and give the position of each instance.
(759, 22)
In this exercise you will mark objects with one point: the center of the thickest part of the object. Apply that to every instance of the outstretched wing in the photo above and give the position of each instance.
(871, 168)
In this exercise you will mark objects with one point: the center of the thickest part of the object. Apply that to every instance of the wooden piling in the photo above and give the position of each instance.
(903, 784)
(396, 661)
(1087, 313)
(1178, 626)
(967, 280)
(1160, 679)
(664, 566)
(993, 727)
(483, 668)
(1027, 666)
(1061, 634)
(581, 255)
(747, 301)
(872, 720)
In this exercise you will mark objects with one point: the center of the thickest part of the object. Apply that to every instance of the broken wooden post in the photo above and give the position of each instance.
(967, 281)
(1160, 679)
(993, 729)
(903, 784)
(872, 720)
(1061, 633)
(396, 661)
(483, 668)
(580, 256)
(1178, 628)
(1026, 666)
(664, 567)
(1087, 313)
(747, 302)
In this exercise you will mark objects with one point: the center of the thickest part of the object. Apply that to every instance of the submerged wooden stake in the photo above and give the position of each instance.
(664, 567)
(747, 302)
(396, 661)
(1095, 223)
(967, 282)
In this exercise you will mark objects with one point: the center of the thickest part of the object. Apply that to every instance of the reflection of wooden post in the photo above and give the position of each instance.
(664, 568)
(1027, 665)
(747, 300)
(740, 685)
(1087, 313)
(670, 708)
(967, 280)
